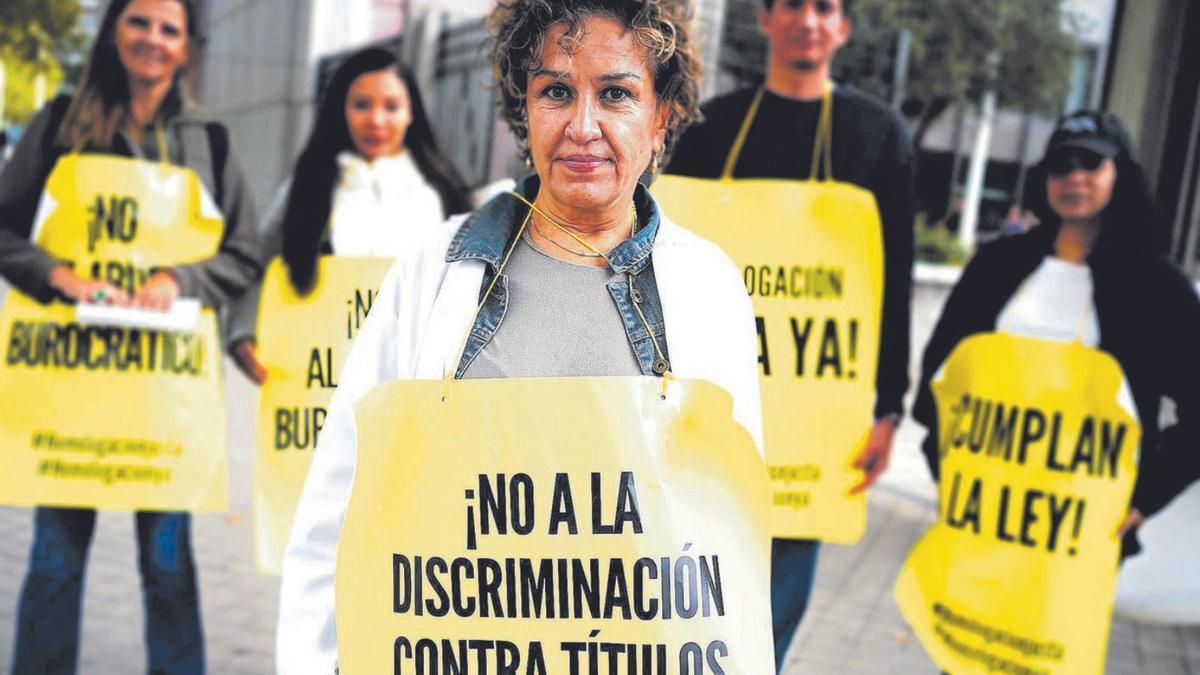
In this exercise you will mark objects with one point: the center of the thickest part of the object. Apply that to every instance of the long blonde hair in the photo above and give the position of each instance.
(100, 105)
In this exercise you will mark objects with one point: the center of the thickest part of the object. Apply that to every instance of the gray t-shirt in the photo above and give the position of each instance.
(561, 322)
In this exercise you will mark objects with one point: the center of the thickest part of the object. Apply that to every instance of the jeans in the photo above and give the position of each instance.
(793, 565)
(48, 617)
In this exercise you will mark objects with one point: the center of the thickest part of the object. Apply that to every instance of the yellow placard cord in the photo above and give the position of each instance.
(824, 138)
(822, 144)
(740, 140)
(160, 136)
(633, 230)
(579, 240)
(77, 146)
(449, 375)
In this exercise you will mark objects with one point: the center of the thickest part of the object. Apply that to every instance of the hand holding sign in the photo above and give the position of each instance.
(159, 292)
(1133, 519)
(81, 289)
(245, 354)
(138, 420)
(875, 455)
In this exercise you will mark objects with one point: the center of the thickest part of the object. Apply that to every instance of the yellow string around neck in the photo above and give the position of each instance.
(748, 121)
(160, 137)
(658, 352)
(580, 240)
(821, 167)
(448, 374)
(823, 144)
(77, 147)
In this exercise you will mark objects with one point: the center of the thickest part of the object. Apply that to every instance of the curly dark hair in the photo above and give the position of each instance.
(519, 28)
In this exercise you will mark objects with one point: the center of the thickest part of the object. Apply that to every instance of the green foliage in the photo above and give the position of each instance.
(868, 59)
(19, 104)
(936, 244)
(33, 35)
(960, 47)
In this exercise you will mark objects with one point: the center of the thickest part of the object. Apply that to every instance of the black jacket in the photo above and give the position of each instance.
(1149, 316)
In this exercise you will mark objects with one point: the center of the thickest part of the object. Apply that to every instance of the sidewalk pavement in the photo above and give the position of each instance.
(238, 603)
(852, 627)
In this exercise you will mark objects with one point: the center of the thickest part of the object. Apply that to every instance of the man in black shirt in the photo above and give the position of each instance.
(872, 149)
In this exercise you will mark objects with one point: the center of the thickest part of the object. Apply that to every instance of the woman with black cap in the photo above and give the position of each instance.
(1094, 256)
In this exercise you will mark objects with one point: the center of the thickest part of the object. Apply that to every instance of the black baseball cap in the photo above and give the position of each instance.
(1100, 132)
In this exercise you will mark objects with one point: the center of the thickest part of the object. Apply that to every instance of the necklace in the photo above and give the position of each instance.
(592, 251)
(661, 366)
(555, 244)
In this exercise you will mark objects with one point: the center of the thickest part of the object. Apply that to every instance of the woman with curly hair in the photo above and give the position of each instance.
(575, 273)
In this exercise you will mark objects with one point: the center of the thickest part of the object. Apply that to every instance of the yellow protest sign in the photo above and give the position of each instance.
(565, 526)
(1039, 451)
(302, 342)
(114, 418)
(811, 254)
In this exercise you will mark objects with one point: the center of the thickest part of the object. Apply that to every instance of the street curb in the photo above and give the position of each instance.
(932, 274)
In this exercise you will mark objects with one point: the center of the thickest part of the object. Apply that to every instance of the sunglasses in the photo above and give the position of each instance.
(1064, 163)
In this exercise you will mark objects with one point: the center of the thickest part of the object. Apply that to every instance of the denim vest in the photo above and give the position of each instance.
(488, 233)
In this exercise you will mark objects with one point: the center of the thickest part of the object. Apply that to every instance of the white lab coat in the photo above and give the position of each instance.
(416, 330)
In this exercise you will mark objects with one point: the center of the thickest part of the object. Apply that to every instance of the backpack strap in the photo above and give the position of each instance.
(206, 150)
(218, 139)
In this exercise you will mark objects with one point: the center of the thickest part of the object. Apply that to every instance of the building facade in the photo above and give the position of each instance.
(257, 65)
(1153, 82)
(261, 62)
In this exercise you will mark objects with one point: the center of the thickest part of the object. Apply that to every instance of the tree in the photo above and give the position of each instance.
(34, 34)
(1014, 54)
(953, 41)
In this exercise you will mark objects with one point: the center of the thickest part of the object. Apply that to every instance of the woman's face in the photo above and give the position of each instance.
(594, 118)
(1079, 184)
(152, 40)
(378, 113)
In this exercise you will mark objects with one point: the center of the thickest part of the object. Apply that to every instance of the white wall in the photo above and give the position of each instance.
(258, 74)
(1097, 18)
(464, 8)
(1006, 135)
(256, 77)
(259, 71)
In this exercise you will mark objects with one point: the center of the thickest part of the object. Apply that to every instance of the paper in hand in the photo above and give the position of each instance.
(183, 316)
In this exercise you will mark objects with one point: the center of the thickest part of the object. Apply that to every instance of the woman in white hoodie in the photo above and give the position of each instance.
(370, 178)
